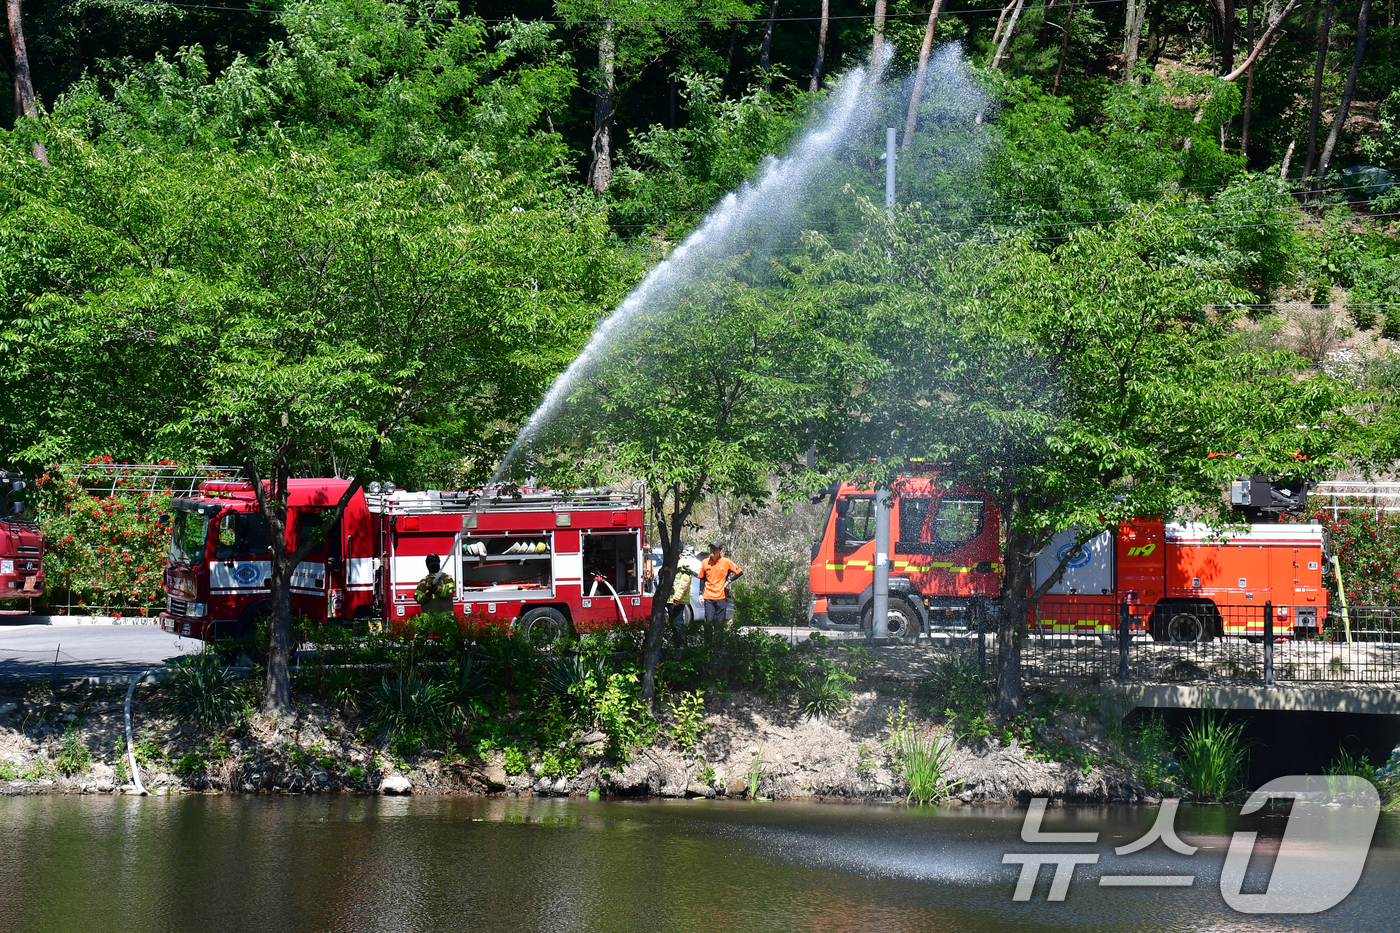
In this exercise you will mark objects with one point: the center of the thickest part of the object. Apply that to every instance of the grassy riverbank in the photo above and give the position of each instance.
(431, 709)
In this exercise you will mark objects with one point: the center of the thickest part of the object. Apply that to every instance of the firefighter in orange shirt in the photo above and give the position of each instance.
(716, 572)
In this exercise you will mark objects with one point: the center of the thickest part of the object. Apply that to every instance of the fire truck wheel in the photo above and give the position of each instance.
(903, 619)
(544, 626)
(1189, 626)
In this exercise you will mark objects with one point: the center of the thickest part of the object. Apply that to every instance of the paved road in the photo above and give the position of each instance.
(27, 652)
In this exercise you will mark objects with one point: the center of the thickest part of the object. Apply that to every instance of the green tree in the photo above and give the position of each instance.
(723, 388)
(1080, 385)
(285, 315)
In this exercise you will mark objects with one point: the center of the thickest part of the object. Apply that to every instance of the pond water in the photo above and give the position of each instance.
(368, 864)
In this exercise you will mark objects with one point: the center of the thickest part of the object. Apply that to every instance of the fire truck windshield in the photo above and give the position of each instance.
(187, 537)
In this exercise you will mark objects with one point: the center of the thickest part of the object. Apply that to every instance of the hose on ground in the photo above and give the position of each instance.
(130, 746)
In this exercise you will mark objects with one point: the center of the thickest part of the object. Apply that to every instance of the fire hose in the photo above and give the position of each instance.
(621, 613)
(130, 746)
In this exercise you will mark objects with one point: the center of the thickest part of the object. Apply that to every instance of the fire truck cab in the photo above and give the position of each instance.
(21, 544)
(946, 554)
(539, 561)
(218, 573)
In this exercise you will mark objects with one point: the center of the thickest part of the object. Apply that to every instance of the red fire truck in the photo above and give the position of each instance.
(534, 562)
(1181, 582)
(21, 544)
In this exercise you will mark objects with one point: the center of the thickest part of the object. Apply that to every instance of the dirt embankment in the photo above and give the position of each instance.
(73, 741)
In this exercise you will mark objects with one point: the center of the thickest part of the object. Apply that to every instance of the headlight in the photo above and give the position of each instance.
(7, 566)
(198, 610)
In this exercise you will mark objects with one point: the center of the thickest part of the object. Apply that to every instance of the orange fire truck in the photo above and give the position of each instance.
(536, 561)
(21, 544)
(1180, 582)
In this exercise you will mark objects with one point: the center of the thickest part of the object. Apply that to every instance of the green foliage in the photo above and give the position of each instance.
(921, 759)
(106, 551)
(411, 710)
(1152, 749)
(824, 691)
(205, 692)
(615, 706)
(687, 720)
(761, 602)
(1367, 545)
(756, 773)
(958, 690)
(73, 757)
(8, 771)
(356, 774)
(1213, 755)
(515, 761)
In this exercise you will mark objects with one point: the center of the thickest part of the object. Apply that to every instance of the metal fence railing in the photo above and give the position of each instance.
(1263, 644)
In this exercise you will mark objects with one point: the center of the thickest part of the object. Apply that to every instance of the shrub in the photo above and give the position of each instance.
(411, 710)
(514, 760)
(73, 757)
(614, 705)
(687, 720)
(1151, 746)
(921, 759)
(1213, 755)
(203, 691)
(825, 691)
(958, 689)
(766, 604)
(355, 774)
(8, 771)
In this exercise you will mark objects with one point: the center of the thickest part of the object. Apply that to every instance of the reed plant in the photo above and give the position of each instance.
(1213, 756)
(920, 758)
(204, 691)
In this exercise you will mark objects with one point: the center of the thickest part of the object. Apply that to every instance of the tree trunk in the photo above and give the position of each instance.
(1132, 35)
(669, 530)
(1006, 36)
(1001, 21)
(1287, 160)
(767, 49)
(1362, 29)
(1248, 87)
(877, 47)
(1154, 33)
(25, 103)
(921, 76)
(272, 499)
(1263, 43)
(600, 171)
(1064, 50)
(729, 60)
(1224, 11)
(821, 47)
(1315, 114)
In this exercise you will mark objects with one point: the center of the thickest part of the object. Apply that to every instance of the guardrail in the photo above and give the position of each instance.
(1263, 645)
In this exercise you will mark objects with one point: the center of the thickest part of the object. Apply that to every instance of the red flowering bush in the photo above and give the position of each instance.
(1368, 547)
(102, 550)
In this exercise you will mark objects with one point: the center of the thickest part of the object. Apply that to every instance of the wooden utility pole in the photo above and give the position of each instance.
(878, 46)
(600, 171)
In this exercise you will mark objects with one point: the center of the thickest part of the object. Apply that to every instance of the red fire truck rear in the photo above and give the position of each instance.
(1181, 582)
(537, 561)
(21, 544)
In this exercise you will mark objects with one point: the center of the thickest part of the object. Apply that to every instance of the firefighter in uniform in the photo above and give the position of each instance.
(434, 592)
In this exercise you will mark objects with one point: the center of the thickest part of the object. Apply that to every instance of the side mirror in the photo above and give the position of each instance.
(843, 507)
(19, 484)
(164, 518)
(16, 508)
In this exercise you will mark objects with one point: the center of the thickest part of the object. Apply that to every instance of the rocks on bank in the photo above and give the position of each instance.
(748, 747)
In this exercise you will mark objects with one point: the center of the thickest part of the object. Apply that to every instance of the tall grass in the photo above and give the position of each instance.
(921, 759)
(1213, 755)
